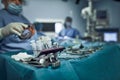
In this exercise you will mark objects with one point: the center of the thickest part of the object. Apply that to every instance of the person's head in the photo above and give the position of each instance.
(7, 2)
(68, 22)
(13, 6)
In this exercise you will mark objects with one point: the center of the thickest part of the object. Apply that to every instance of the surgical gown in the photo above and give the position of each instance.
(13, 42)
(70, 32)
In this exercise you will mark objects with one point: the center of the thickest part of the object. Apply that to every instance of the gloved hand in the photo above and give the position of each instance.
(13, 28)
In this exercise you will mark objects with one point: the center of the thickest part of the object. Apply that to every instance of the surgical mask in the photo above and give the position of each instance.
(14, 9)
(68, 24)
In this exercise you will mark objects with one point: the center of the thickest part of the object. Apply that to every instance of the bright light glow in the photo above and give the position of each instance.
(58, 27)
(110, 37)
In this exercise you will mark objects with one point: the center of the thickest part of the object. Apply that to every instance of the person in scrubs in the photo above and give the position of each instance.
(12, 12)
(69, 31)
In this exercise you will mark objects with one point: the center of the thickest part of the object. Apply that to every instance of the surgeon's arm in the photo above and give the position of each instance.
(12, 28)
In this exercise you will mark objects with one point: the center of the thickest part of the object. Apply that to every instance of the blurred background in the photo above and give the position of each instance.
(53, 12)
